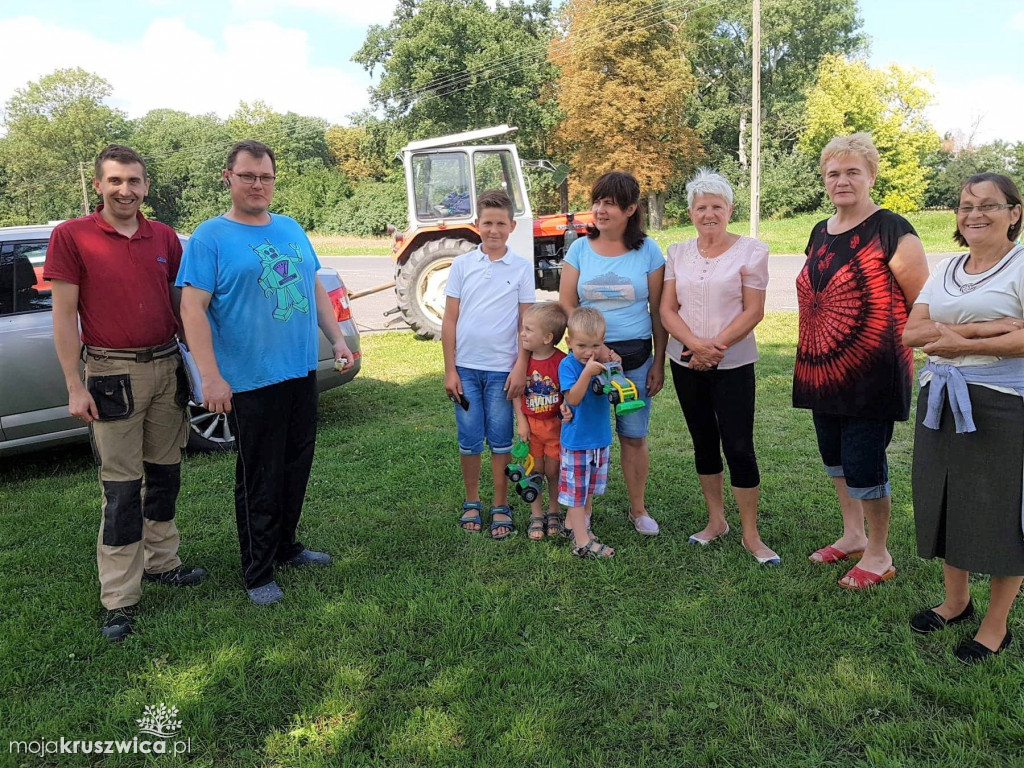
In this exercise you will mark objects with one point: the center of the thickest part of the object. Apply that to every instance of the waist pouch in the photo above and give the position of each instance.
(634, 352)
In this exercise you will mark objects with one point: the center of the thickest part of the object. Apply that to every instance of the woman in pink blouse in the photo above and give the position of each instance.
(712, 300)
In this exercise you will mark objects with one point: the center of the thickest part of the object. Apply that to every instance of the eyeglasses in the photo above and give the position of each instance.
(250, 178)
(984, 208)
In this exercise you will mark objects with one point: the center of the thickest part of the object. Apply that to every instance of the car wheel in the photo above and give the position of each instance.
(209, 432)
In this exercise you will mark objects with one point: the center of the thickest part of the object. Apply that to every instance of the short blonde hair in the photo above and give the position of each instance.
(859, 144)
(551, 318)
(586, 321)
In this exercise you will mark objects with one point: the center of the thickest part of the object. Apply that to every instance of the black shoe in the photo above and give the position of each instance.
(119, 624)
(971, 651)
(182, 576)
(930, 621)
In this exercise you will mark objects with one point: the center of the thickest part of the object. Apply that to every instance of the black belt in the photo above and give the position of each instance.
(138, 356)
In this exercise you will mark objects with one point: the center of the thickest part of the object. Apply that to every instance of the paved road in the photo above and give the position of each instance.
(362, 272)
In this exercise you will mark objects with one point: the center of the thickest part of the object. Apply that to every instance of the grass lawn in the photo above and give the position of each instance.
(783, 236)
(424, 645)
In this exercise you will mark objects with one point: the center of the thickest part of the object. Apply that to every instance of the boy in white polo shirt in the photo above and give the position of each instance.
(488, 290)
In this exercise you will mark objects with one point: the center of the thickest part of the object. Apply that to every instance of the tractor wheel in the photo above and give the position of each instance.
(420, 284)
(596, 387)
(530, 494)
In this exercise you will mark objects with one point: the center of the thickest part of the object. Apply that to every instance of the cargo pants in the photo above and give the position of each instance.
(137, 444)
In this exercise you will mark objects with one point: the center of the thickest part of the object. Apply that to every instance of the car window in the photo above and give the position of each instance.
(22, 288)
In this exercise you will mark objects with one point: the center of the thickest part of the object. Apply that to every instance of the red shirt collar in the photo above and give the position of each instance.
(144, 230)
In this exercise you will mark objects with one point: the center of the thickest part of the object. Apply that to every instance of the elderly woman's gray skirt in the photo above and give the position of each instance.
(967, 487)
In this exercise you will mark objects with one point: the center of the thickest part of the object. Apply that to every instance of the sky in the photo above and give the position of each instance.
(203, 56)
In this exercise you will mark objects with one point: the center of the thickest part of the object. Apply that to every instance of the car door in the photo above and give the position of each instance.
(33, 396)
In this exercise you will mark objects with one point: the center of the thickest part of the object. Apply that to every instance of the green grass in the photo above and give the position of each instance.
(790, 235)
(782, 235)
(426, 646)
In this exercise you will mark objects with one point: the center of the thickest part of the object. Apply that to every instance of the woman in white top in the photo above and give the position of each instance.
(968, 446)
(712, 300)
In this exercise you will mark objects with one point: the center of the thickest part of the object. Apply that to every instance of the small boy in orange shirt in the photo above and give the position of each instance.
(538, 410)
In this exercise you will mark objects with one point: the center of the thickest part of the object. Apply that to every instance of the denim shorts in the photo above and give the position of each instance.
(854, 448)
(489, 413)
(637, 423)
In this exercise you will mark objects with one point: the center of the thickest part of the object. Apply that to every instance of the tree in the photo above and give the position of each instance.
(849, 96)
(951, 166)
(623, 88)
(184, 155)
(353, 154)
(53, 125)
(795, 36)
(454, 65)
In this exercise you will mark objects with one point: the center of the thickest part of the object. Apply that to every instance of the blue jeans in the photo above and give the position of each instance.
(854, 448)
(637, 423)
(489, 413)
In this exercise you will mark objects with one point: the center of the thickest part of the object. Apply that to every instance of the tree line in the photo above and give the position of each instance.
(655, 87)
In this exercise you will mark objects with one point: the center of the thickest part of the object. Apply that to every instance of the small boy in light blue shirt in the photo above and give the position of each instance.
(488, 290)
(586, 439)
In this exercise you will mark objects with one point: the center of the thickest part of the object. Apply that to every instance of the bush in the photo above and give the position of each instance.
(372, 206)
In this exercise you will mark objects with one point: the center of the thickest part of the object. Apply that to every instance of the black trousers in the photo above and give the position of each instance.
(275, 431)
(719, 410)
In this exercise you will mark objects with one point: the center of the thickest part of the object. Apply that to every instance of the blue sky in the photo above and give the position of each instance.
(208, 55)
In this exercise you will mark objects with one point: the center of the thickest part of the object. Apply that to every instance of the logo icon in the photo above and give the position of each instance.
(160, 721)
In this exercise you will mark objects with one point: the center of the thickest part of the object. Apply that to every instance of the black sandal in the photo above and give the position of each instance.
(537, 526)
(555, 524)
(594, 549)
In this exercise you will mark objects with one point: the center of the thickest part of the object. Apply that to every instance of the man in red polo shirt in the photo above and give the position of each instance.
(115, 271)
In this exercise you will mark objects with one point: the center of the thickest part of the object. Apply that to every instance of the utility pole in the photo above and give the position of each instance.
(755, 127)
(85, 190)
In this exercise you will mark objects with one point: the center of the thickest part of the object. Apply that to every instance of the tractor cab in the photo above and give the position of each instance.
(443, 180)
(443, 177)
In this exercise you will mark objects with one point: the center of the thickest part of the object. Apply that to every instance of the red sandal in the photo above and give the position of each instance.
(865, 579)
(832, 554)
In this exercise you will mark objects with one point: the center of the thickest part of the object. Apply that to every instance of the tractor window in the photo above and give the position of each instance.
(497, 170)
(441, 185)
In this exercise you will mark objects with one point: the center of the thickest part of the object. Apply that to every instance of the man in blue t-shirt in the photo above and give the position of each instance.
(251, 303)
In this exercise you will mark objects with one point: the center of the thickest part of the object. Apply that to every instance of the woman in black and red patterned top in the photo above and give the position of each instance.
(865, 266)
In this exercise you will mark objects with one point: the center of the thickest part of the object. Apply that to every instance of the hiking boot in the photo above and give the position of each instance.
(308, 557)
(119, 624)
(182, 576)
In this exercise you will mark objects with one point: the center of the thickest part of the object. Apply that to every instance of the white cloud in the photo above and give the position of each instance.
(175, 67)
(992, 100)
(361, 12)
(1017, 22)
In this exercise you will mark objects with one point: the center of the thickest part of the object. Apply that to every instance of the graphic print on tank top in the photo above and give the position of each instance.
(850, 359)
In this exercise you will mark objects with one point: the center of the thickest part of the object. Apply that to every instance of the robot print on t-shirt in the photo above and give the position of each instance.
(280, 279)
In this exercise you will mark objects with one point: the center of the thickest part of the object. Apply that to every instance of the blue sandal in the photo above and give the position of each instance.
(467, 519)
(502, 509)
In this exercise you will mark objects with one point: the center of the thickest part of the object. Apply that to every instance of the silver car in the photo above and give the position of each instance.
(33, 397)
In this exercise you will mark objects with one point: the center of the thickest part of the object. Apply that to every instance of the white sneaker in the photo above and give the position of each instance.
(645, 525)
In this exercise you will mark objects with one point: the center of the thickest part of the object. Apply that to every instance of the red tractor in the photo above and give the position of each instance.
(443, 177)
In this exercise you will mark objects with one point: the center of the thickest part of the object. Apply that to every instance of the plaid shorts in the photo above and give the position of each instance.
(582, 474)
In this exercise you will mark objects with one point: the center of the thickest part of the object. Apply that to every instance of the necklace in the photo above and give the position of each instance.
(962, 288)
